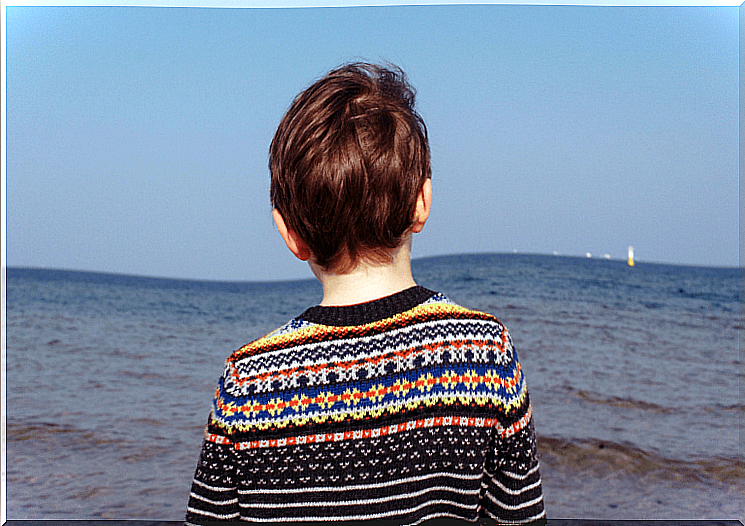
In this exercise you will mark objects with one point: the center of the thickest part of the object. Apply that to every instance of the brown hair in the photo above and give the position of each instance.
(347, 164)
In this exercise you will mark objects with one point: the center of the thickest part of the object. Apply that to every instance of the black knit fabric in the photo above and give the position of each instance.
(362, 313)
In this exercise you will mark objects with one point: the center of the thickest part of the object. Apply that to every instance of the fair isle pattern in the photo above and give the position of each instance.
(327, 373)
(407, 408)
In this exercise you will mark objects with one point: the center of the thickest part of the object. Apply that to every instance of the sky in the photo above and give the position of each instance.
(137, 137)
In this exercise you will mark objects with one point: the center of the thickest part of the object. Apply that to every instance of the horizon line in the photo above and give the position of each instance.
(414, 259)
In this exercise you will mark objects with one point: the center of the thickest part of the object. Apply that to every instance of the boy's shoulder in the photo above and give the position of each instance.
(437, 310)
(442, 304)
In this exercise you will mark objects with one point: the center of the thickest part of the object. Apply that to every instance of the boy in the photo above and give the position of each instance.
(386, 401)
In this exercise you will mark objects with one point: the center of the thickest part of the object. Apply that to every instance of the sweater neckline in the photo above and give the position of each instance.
(370, 311)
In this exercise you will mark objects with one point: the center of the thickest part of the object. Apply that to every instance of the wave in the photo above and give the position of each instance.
(625, 403)
(65, 435)
(651, 407)
(67, 441)
(594, 457)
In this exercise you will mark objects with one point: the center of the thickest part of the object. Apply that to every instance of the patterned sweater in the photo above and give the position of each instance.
(405, 408)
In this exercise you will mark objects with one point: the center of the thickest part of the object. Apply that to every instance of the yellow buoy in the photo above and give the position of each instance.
(631, 256)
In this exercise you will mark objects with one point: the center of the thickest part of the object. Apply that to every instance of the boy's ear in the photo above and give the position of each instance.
(423, 206)
(296, 245)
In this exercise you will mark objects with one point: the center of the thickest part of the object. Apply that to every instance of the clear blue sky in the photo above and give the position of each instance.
(137, 137)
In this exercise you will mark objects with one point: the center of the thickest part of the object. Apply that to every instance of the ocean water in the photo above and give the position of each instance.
(633, 373)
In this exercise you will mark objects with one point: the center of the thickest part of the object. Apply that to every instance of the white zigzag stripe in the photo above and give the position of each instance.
(358, 502)
(517, 507)
(516, 476)
(211, 488)
(487, 330)
(519, 521)
(210, 514)
(216, 503)
(443, 514)
(511, 491)
(361, 517)
(364, 486)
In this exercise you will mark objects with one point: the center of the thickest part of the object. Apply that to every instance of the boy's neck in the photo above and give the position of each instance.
(367, 282)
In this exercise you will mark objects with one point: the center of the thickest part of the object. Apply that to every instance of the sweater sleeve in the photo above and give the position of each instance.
(213, 494)
(511, 489)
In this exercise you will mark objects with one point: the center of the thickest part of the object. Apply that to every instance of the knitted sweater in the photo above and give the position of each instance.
(405, 408)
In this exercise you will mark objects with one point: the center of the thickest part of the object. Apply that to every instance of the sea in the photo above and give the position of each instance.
(633, 373)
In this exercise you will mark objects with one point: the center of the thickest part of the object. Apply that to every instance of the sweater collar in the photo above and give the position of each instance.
(370, 311)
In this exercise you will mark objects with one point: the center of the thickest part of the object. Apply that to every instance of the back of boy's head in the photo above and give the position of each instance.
(347, 164)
